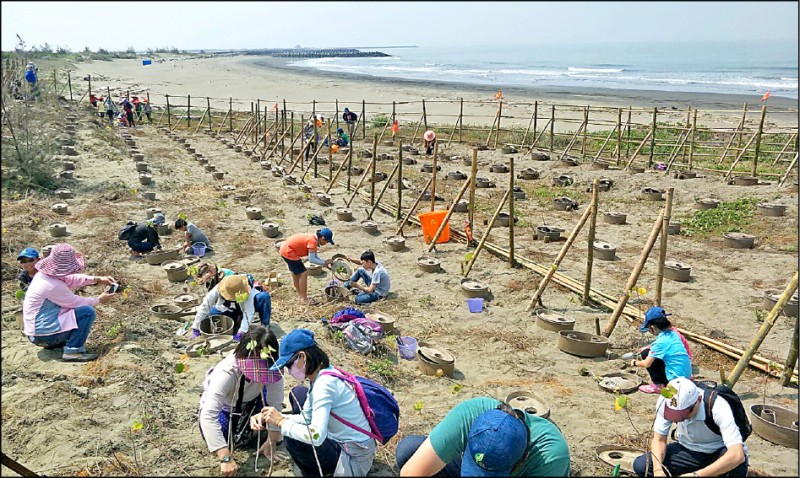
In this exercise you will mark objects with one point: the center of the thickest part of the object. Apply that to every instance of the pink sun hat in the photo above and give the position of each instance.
(62, 261)
(429, 135)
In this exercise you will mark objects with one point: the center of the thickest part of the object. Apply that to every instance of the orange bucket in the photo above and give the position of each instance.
(430, 224)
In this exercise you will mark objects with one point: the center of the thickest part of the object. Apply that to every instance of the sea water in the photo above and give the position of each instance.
(703, 67)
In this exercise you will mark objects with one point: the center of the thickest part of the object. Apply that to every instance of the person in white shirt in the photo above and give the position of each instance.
(233, 390)
(327, 413)
(699, 451)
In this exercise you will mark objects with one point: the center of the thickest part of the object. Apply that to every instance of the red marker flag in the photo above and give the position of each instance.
(395, 127)
(765, 97)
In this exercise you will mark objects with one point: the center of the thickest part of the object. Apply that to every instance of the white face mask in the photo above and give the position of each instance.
(297, 372)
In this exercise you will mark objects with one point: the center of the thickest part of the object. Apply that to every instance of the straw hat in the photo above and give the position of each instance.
(232, 285)
(429, 135)
(62, 261)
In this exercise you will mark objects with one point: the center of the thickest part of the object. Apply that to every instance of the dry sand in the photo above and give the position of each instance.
(70, 416)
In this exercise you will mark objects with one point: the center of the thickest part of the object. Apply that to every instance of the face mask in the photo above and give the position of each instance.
(298, 373)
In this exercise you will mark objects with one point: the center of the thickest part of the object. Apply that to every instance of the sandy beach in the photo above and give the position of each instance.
(64, 418)
(250, 78)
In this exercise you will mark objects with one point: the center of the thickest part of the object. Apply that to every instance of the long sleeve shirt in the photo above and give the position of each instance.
(143, 232)
(49, 305)
(214, 299)
(219, 392)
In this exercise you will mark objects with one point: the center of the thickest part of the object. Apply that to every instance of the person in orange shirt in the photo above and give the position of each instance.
(298, 246)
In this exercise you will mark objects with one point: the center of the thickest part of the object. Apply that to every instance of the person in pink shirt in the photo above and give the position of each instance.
(53, 315)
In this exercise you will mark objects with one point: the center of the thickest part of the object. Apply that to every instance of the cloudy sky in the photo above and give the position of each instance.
(220, 25)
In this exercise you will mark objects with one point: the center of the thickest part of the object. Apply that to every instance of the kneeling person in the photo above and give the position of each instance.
(376, 279)
(486, 437)
(234, 297)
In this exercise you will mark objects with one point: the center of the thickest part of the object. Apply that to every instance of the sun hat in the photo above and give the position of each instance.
(232, 285)
(158, 219)
(62, 261)
(293, 342)
(257, 370)
(327, 234)
(653, 313)
(29, 253)
(496, 442)
(679, 407)
(429, 135)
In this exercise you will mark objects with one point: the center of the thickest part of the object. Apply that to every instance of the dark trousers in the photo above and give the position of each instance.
(143, 246)
(409, 445)
(302, 453)
(657, 371)
(130, 119)
(680, 460)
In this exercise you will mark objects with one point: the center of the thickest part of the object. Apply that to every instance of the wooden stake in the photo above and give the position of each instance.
(460, 119)
(572, 141)
(433, 176)
(785, 147)
(628, 139)
(552, 125)
(473, 173)
(791, 358)
(336, 115)
(333, 178)
(740, 155)
(447, 216)
(371, 171)
(69, 82)
(383, 189)
(482, 242)
(230, 115)
(694, 135)
(499, 117)
(618, 153)
(740, 129)
(758, 141)
(330, 151)
(769, 321)
(653, 139)
(399, 176)
(639, 148)
(188, 111)
(374, 157)
(511, 262)
(564, 249)
(363, 119)
(15, 466)
(169, 119)
(413, 208)
(424, 117)
(788, 170)
(662, 252)
(585, 131)
(349, 159)
(530, 122)
(637, 270)
(208, 103)
(587, 284)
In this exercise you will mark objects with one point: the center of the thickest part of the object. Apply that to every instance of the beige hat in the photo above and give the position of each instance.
(232, 285)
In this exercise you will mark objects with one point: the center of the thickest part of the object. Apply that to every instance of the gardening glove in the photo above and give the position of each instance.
(238, 337)
(195, 334)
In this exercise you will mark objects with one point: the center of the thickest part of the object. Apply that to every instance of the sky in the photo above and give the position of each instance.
(242, 25)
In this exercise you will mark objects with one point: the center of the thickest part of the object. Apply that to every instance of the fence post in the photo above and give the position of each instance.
(188, 111)
(552, 125)
(499, 116)
(90, 85)
(230, 114)
(424, 117)
(399, 177)
(758, 140)
(628, 139)
(337, 117)
(55, 83)
(662, 252)
(511, 212)
(653, 139)
(460, 120)
(694, 135)
(364, 119)
(585, 129)
(69, 82)
(587, 284)
(169, 120)
(208, 105)
(619, 134)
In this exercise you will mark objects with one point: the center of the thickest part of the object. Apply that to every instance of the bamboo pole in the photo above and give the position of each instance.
(662, 252)
(200, 123)
(453, 132)
(530, 122)
(639, 148)
(336, 115)
(460, 119)
(741, 126)
(511, 261)
(585, 131)
(399, 176)
(188, 111)
(619, 135)
(791, 358)
(740, 155)
(758, 141)
(330, 151)
(674, 155)
(694, 136)
(603, 146)
(274, 148)
(230, 116)
(769, 321)
(788, 170)
(363, 119)
(208, 105)
(383, 190)
(416, 129)
(289, 155)
(737, 132)
(69, 82)
(537, 137)
(552, 125)
(473, 173)
(222, 124)
(16, 466)
(90, 85)
(628, 139)
(571, 239)
(637, 270)
(371, 171)
(433, 176)
(169, 119)
(499, 117)
(653, 139)
(485, 236)
(333, 178)
(491, 130)
(374, 156)
(572, 141)
(785, 147)
(587, 284)
(413, 208)
(448, 215)
(424, 117)
(349, 159)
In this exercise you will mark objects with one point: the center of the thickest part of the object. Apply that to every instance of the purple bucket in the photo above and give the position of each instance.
(199, 249)
(407, 346)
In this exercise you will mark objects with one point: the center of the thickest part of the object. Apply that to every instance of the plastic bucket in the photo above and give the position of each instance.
(475, 305)
(199, 249)
(430, 222)
(407, 346)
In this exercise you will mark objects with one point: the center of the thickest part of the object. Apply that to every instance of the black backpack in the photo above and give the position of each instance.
(126, 231)
(739, 414)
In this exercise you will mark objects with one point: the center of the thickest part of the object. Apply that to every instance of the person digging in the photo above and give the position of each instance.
(298, 246)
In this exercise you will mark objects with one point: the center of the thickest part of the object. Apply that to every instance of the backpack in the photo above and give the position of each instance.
(739, 414)
(315, 220)
(377, 403)
(126, 231)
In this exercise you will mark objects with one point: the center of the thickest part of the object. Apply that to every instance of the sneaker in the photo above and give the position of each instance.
(78, 357)
(650, 388)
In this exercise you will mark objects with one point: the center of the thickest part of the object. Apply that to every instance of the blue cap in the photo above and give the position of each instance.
(28, 252)
(652, 314)
(293, 342)
(496, 442)
(327, 234)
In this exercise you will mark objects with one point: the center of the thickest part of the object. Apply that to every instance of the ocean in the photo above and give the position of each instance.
(749, 68)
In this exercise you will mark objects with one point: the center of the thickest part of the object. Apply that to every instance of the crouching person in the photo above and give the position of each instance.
(486, 437)
(327, 415)
(233, 390)
(376, 279)
(236, 298)
(53, 315)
